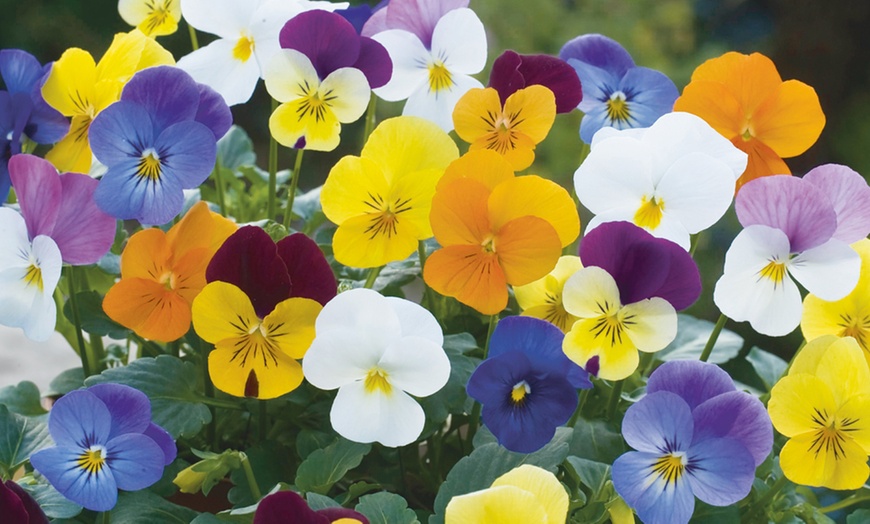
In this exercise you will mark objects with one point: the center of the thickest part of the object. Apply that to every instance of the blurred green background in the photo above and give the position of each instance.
(820, 43)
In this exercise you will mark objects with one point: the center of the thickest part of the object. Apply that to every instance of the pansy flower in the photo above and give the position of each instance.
(616, 92)
(496, 229)
(744, 98)
(104, 441)
(673, 179)
(24, 115)
(161, 274)
(80, 88)
(382, 198)
(152, 17)
(794, 229)
(524, 494)
(18, 507)
(435, 47)
(822, 407)
(626, 298)
(282, 506)
(322, 77)
(158, 140)
(527, 385)
(258, 309)
(377, 351)
(695, 436)
(516, 112)
(247, 38)
(543, 297)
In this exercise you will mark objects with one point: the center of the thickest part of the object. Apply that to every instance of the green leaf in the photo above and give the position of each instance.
(598, 441)
(55, 505)
(488, 462)
(593, 475)
(93, 318)
(306, 205)
(235, 149)
(386, 508)
(318, 502)
(767, 366)
(860, 516)
(23, 399)
(69, 380)
(144, 507)
(172, 385)
(271, 464)
(452, 398)
(310, 440)
(324, 467)
(20, 437)
(692, 336)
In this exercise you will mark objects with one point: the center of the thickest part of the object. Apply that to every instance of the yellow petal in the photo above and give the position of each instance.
(469, 274)
(222, 312)
(531, 111)
(548, 288)
(790, 120)
(591, 337)
(154, 54)
(69, 87)
(73, 152)
(796, 401)
(535, 196)
(148, 308)
(459, 213)
(484, 166)
(497, 505)
(854, 415)
(407, 144)
(291, 325)
(248, 366)
(298, 119)
(651, 324)
(845, 370)
(153, 18)
(546, 488)
(354, 187)
(476, 113)
(527, 248)
(805, 460)
(374, 240)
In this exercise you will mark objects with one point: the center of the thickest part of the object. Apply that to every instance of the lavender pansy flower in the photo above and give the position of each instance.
(512, 72)
(616, 92)
(695, 436)
(413, 16)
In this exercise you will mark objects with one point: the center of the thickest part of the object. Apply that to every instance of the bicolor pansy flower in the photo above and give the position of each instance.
(152, 17)
(543, 297)
(280, 506)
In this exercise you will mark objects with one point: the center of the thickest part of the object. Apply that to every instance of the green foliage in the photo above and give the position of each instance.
(767, 366)
(271, 464)
(324, 467)
(692, 336)
(93, 319)
(20, 437)
(23, 399)
(69, 380)
(205, 474)
(597, 440)
(55, 505)
(144, 507)
(386, 508)
(452, 397)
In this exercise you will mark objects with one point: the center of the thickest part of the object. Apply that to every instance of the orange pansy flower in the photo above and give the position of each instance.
(161, 274)
(496, 229)
(744, 98)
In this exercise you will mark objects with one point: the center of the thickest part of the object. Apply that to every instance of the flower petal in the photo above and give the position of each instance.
(617, 173)
(167, 93)
(470, 275)
(721, 471)
(148, 308)
(394, 419)
(459, 39)
(437, 105)
(96, 492)
(189, 150)
(834, 467)
(136, 461)
(83, 232)
(416, 321)
(660, 422)
(538, 197)
(129, 408)
(219, 17)
(654, 324)
(79, 419)
(696, 190)
(419, 18)
(655, 500)
(222, 311)
(599, 51)
(739, 416)
(409, 58)
(327, 39)
(38, 189)
(694, 381)
(163, 439)
(120, 133)
(829, 271)
(310, 274)
(215, 66)
(790, 120)
(416, 365)
(544, 485)
(527, 249)
(850, 195)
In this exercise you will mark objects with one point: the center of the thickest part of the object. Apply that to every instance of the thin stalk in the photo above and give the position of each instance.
(221, 403)
(761, 503)
(693, 244)
(846, 502)
(273, 171)
(615, 395)
(373, 275)
(249, 474)
(87, 366)
(427, 295)
(294, 183)
(475, 410)
(207, 388)
(263, 420)
(194, 41)
(714, 336)
(370, 118)
(219, 186)
(580, 402)
(104, 517)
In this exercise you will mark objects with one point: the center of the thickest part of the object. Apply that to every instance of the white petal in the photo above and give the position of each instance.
(41, 318)
(49, 261)
(459, 40)
(416, 321)
(672, 229)
(214, 66)
(616, 174)
(13, 239)
(21, 304)
(654, 324)
(610, 132)
(829, 271)
(587, 290)
(286, 71)
(696, 190)
(410, 64)
(336, 358)
(416, 365)
(225, 18)
(438, 106)
(393, 419)
(351, 91)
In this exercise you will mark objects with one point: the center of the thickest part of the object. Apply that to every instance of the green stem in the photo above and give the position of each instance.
(761, 503)
(370, 118)
(714, 336)
(87, 366)
(580, 402)
(615, 395)
(646, 360)
(846, 502)
(693, 244)
(219, 186)
(294, 183)
(249, 474)
(273, 171)
(475, 410)
(175, 348)
(221, 403)
(373, 275)
(194, 42)
(263, 422)
(103, 517)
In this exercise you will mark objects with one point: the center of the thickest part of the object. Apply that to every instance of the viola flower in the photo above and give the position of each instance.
(626, 298)
(434, 48)
(695, 436)
(105, 441)
(161, 274)
(512, 71)
(24, 115)
(616, 92)
(157, 145)
(674, 179)
(247, 38)
(527, 385)
(744, 99)
(524, 494)
(321, 76)
(382, 198)
(258, 308)
(794, 228)
(377, 351)
(543, 297)
(152, 17)
(278, 507)
(17, 506)
(81, 89)
(822, 406)
(496, 229)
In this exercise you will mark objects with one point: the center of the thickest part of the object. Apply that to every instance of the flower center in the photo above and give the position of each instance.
(774, 270)
(439, 77)
(612, 323)
(244, 48)
(520, 391)
(385, 215)
(157, 16)
(747, 134)
(92, 459)
(149, 165)
(856, 327)
(617, 108)
(168, 280)
(649, 214)
(670, 467)
(556, 313)
(376, 380)
(488, 244)
(831, 433)
(33, 276)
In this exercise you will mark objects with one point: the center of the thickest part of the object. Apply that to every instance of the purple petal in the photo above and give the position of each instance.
(213, 111)
(128, 407)
(654, 500)
(46, 124)
(22, 108)
(164, 440)
(548, 71)
(796, 207)
(309, 272)
(682, 286)
(79, 419)
(598, 85)
(327, 39)
(83, 232)
(20, 70)
(357, 15)
(275, 508)
(136, 461)
(850, 196)
(39, 192)
(377, 22)
(374, 61)
(249, 260)
(720, 471)
(123, 194)
(188, 151)
(505, 76)
(736, 415)
(659, 423)
(650, 94)
(59, 465)
(419, 16)
(11, 505)
(599, 51)
(34, 513)
(167, 93)
(694, 381)
(120, 132)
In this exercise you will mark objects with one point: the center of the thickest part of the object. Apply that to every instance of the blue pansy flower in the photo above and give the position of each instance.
(616, 93)
(527, 385)
(157, 140)
(105, 441)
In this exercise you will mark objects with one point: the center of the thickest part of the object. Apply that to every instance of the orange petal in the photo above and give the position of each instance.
(470, 275)
(476, 113)
(716, 104)
(146, 255)
(459, 213)
(763, 161)
(528, 248)
(189, 273)
(790, 120)
(199, 227)
(535, 196)
(148, 308)
(519, 155)
(750, 78)
(483, 165)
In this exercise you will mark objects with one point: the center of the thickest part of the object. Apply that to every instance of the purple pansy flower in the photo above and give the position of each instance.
(414, 16)
(695, 436)
(794, 228)
(105, 441)
(616, 93)
(527, 385)
(160, 138)
(23, 112)
(288, 506)
(512, 72)
(18, 507)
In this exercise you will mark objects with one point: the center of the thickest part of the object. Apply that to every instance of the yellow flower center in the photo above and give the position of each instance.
(92, 460)
(774, 270)
(857, 328)
(520, 391)
(33, 276)
(149, 165)
(612, 323)
(385, 215)
(488, 244)
(314, 105)
(617, 108)
(556, 313)
(168, 280)
(244, 48)
(831, 433)
(649, 214)
(157, 16)
(376, 380)
(670, 467)
(501, 136)
(747, 134)
(439, 77)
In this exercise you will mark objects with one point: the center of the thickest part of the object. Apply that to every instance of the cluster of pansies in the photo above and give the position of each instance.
(423, 336)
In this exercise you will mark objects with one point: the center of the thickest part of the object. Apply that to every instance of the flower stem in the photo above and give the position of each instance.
(194, 42)
(219, 186)
(273, 171)
(762, 502)
(693, 244)
(714, 336)
(615, 395)
(87, 366)
(294, 183)
(373, 275)
(370, 117)
(103, 517)
(249, 474)
(846, 502)
(580, 402)
(221, 403)
(475, 410)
